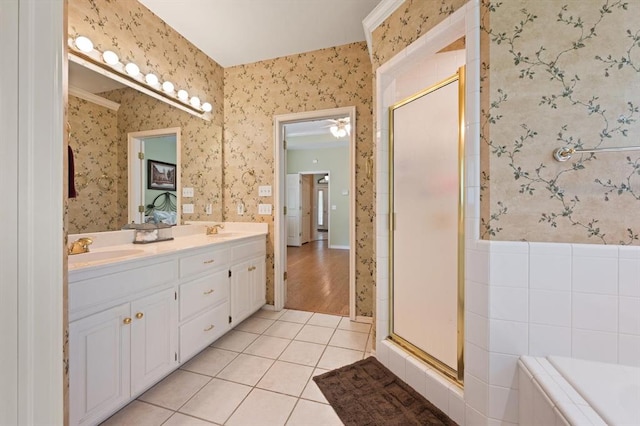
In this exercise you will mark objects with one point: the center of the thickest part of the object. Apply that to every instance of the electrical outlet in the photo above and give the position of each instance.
(187, 192)
(264, 208)
(209, 208)
(187, 208)
(264, 191)
(240, 209)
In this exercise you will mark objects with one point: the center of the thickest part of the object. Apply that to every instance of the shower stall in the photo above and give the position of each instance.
(427, 224)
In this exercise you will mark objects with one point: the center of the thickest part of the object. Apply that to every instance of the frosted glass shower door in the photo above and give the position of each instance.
(425, 236)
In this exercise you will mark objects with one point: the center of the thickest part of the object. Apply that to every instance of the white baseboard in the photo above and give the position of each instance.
(339, 247)
(268, 307)
(366, 320)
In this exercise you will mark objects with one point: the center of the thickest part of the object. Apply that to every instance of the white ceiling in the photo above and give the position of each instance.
(234, 32)
(313, 135)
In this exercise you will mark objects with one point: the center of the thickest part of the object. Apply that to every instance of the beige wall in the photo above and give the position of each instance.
(136, 34)
(201, 149)
(328, 78)
(93, 137)
(561, 88)
(549, 82)
(336, 162)
(408, 23)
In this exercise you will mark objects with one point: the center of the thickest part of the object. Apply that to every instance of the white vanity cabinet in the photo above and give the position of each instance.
(248, 280)
(204, 299)
(99, 365)
(122, 339)
(134, 321)
(153, 339)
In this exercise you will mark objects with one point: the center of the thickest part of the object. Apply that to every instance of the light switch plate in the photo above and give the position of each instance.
(187, 192)
(187, 208)
(240, 209)
(264, 208)
(209, 208)
(334, 207)
(264, 191)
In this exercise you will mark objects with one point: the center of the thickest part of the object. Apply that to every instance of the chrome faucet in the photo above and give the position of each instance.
(211, 230)
(81, 245)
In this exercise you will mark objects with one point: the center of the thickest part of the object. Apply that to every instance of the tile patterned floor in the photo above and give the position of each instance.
(260, 373)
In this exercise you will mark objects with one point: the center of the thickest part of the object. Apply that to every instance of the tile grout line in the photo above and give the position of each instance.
(236, 355)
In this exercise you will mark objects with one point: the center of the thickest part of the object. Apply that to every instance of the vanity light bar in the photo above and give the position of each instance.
(83, 47)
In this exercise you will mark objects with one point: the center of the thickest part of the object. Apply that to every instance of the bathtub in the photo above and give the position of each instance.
(568, 391)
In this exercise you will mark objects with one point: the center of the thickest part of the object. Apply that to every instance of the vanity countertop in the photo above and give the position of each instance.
(111, 248)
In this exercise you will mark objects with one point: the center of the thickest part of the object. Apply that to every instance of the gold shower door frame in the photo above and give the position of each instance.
(456, 375)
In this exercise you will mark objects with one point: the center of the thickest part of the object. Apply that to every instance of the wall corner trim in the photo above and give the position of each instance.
(90, 97)
(377, 16)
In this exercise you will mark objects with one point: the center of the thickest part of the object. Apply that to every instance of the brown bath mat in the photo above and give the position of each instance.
(366, 393)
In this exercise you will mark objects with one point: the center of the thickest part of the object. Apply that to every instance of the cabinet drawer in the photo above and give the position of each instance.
(91, 295)
(203, 293)
(203, 330)
(209, 260)
(252, 249)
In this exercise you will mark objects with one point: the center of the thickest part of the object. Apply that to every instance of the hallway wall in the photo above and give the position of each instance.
(335, 161)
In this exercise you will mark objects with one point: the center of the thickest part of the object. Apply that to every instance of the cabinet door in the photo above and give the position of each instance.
(153, 339)
(98, 365)
(258, 283)
(240, 292)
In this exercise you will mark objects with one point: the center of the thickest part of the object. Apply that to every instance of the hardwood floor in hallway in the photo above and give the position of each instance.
(318, 278)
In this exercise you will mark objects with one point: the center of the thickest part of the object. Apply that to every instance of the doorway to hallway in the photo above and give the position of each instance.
(316, 177)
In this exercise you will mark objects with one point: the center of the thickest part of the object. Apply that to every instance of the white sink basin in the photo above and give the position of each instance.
(103, 255)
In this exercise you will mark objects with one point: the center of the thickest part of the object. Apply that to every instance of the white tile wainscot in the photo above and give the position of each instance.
(137, 317)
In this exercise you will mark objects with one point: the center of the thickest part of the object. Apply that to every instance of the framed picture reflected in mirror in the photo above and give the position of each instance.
(161, 175)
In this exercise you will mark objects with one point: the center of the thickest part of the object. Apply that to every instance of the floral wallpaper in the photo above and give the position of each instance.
(93, 137)
(561, 74)
(406, 24)
(254, 93)
(553, 74)
(136, 34)
(201, 149)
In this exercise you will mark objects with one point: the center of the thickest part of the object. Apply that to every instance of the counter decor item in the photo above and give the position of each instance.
(146, 233)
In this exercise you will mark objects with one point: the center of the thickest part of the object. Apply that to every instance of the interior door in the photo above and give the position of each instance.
(137, 177)
(294, 223)
(307, 184)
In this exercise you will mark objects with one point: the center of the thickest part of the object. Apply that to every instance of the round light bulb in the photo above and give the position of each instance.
(195, 101)
(183, 95)
(168, 87)
(132, 69)
(84, 44)
(151, 79)
(110, 57)
(207, 107)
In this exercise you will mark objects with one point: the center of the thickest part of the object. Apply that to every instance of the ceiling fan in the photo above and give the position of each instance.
(341, 127)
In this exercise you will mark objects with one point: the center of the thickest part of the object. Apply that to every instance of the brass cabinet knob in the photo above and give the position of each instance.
(209, 328)
(208, 292)
(139, 315)
(127, 320)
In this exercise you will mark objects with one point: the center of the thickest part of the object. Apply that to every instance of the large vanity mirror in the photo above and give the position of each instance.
(108, 123)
